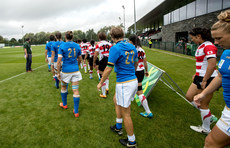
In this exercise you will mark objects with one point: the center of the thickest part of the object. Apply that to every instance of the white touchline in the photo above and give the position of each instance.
(173, 54)
(20, 74)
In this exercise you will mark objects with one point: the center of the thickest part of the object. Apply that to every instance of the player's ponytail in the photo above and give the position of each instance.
(224, 21)
(69, 35)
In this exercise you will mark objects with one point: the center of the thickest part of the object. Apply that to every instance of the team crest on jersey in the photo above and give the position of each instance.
(221, 63)
(227, 57)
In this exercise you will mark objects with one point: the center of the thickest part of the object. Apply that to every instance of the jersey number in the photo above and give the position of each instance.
(128, 53)
(106, 47)
(70, 51)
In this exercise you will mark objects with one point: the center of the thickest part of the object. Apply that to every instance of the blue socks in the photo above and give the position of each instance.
(57, 82)
(64, 98)
(49, 66)
(76, 101)
(118, 125)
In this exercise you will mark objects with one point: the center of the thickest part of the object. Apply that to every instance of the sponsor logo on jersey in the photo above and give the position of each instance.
(221, 63)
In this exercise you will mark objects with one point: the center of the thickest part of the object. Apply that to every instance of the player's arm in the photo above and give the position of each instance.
(210, 69)
(213, 86)
(95, 57)
(46, 56)
(79, 59)
(105, 75)
(59, 66)
(52, 61)
(146, 67)
(25, 52)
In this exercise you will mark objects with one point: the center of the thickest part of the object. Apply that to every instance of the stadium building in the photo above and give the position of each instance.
(173, 19)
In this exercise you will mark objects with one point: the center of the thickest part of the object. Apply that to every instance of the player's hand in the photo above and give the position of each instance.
(46, 60)
(146, 74)
(203, 84)
(198, 98)
(99, 85)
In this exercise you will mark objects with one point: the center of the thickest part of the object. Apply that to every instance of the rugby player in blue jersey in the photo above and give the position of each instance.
(123, 56)
(220, 134)
(54, 57)
(70, 52)
(48, 51)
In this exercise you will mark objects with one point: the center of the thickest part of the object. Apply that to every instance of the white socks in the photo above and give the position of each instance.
(144, 103)
(206, 117)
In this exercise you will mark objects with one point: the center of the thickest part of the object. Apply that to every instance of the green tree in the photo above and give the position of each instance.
(1, 39)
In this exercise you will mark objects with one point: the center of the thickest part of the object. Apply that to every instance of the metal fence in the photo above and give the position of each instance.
(182, 48)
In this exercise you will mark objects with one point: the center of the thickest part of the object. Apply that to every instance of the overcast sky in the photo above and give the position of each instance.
(55, 15)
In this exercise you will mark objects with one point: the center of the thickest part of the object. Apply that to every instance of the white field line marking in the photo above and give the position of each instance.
(158, 50)
(20, 74)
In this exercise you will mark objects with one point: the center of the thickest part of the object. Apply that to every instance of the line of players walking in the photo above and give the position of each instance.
(65, 58)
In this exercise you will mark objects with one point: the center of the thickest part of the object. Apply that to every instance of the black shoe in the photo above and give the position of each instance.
(49, 70)
(114, 129)
(126, 143)
(107, 91)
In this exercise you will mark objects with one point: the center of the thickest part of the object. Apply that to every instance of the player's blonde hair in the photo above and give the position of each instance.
(117, 32)
(224, 21)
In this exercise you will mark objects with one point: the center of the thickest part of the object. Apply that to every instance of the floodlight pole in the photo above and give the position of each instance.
(135, 25)
(124, 17)
(22, 34)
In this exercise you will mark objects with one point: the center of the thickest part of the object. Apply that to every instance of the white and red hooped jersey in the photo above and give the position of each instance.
(141, 57)
(84, 48)
(91, 50)
(103, 48)
(205, 51)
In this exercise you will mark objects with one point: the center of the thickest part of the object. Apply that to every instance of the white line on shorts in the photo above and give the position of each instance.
(20, 74)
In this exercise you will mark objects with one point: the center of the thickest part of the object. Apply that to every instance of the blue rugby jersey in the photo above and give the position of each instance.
(55, 48)
(69, 51)
(224, 69)
(48, 48)
(122, 56)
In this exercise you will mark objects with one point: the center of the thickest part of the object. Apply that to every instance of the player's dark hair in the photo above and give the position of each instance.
(92, 42)
(117, 32)
(136, 41)
(102, 36)
(84, 40)
(52, 37)
(79, 41)
(203, 32)
(27, 39)
(69, 35)
(58, 35)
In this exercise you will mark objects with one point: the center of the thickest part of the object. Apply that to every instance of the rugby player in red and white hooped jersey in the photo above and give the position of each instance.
(84, 50)
(205, 55)
(102, 49)
(141, 71)
(92, 48)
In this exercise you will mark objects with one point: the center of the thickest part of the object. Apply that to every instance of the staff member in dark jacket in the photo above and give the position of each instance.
(28, 54)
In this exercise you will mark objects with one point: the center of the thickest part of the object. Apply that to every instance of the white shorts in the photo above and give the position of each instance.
(224, 122)
(49, 60)
(125, 93)
(73, 77)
